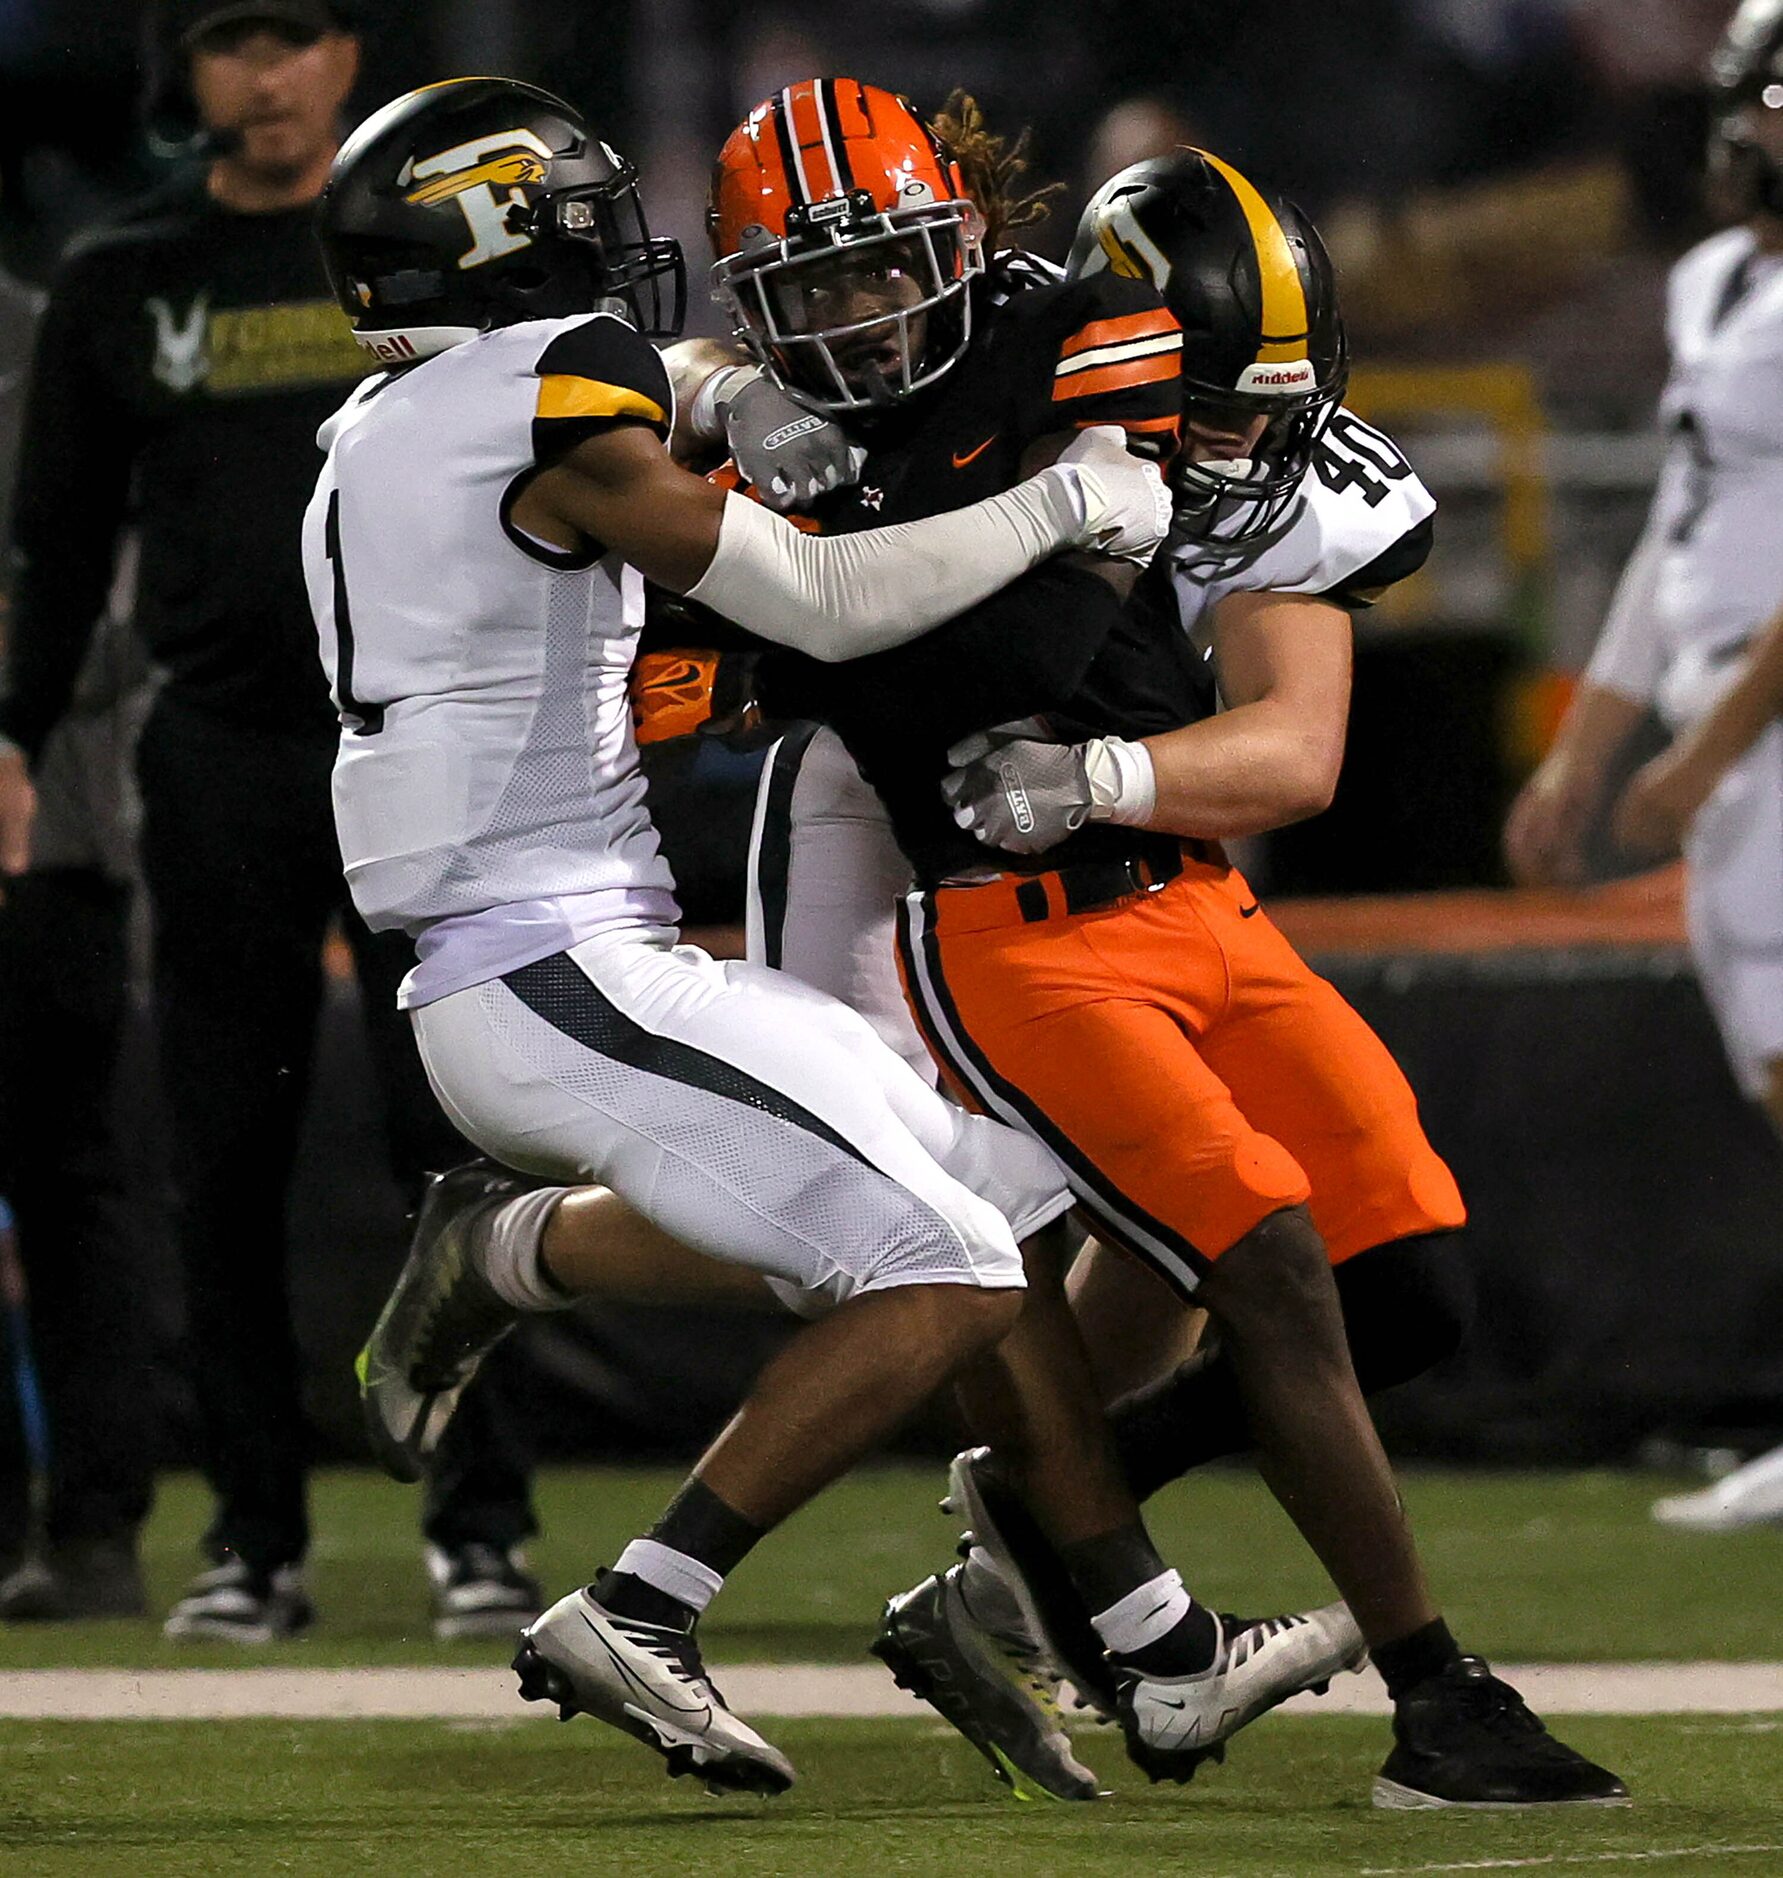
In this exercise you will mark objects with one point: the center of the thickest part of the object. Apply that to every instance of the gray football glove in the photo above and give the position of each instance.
(1015, 793)
(792, 455)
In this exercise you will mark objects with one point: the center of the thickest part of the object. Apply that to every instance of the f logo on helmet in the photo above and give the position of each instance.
(485, 178)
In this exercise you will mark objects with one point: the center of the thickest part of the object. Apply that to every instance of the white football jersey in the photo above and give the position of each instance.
(1341, 536)
(487, 787)
(1721, 575)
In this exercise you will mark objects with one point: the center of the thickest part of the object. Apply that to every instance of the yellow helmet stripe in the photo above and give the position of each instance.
(1285, 322)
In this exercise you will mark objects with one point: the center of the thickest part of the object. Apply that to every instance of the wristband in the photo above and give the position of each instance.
(1123, 783)
(705, 415)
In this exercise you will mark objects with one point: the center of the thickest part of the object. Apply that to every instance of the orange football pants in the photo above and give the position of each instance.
(1191, 1072)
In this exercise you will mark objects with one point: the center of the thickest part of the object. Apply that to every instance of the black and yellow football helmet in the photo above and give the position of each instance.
(480, 202)
(1253, 289)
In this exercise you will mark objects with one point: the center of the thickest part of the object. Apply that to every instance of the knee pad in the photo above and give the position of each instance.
(1406, 1306)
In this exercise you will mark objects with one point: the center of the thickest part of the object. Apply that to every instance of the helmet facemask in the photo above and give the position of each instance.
(639, 276)
(1229, 501)
(857, 307)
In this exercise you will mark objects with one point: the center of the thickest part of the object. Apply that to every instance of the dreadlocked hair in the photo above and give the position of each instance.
(992, 168)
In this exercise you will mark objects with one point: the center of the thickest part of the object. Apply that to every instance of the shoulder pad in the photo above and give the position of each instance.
(1359, 500)
(600, 370)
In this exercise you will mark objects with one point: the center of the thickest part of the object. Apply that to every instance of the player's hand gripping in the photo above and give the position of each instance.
(1011, 790)
(1126, 503)
(790, 454)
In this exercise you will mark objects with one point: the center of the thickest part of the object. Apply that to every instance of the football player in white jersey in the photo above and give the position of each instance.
(1703, 583)
(1254, 529)
(475, 553)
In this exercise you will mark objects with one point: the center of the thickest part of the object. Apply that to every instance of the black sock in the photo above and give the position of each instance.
(701, 1525)
(628, 1596)
(697, 1524)
(1183, 1651)
(1425, 1653)
(1115, 1564)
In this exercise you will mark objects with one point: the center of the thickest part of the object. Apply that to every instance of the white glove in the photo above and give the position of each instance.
(792, 455)
(1014, 792)
(1123, 499)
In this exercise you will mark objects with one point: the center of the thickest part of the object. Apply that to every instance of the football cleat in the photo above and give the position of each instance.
(1750, 1496)
(481, 1590)
(1175, 1723)
(1051, 1610)
(648, 1680)
(1463, 1738)
(440, 1321)
(234, 1603)
(989, 1681)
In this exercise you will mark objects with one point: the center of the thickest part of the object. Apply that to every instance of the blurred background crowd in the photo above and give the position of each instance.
(1504, 185)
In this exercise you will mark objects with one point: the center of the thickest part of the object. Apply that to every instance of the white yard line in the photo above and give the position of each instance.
(783, 1689)
(1572, 1858)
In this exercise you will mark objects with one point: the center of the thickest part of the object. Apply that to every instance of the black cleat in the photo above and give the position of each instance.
(1051, 1608)
(439, 1323)
(989, 1682)
(1463, 1738)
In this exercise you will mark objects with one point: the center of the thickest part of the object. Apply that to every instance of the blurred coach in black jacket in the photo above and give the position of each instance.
(184, 361)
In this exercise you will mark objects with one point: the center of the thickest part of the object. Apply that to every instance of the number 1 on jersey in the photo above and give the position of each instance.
(364, 720)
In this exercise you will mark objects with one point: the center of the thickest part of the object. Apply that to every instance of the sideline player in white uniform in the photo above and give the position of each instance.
(1705, 579)
(476, 551)
(1255, 529)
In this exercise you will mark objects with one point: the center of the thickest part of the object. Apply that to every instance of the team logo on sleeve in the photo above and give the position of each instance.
(486, 178)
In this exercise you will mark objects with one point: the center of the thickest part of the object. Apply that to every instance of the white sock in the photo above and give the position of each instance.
(1143, 1615)
(511, 1236)
(673, 1572)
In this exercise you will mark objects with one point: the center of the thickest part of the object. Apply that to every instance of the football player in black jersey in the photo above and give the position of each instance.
(1125, 790)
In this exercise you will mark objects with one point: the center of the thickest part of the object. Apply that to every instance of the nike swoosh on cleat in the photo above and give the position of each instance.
(960, 460)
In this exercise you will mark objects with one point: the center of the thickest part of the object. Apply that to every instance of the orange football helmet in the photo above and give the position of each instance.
(846, 244)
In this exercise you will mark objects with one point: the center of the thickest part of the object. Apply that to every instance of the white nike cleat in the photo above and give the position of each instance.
(1174, 1723)
(1750, 1496)
(648, 1680)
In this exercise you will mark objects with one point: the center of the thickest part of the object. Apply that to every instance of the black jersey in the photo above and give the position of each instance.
(184, 363)
(1048, 359)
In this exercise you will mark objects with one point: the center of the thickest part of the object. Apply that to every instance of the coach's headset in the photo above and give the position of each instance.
(170, 120)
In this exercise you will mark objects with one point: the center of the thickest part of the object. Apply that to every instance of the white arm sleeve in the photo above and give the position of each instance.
(840, 596)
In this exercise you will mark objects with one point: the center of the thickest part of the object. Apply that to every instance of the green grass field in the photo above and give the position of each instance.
(411, 1798)
(1530, 1566)
(1564, 1567)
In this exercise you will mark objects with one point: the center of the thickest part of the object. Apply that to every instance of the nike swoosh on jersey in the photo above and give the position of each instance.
(1244, 912)
(960, 461)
